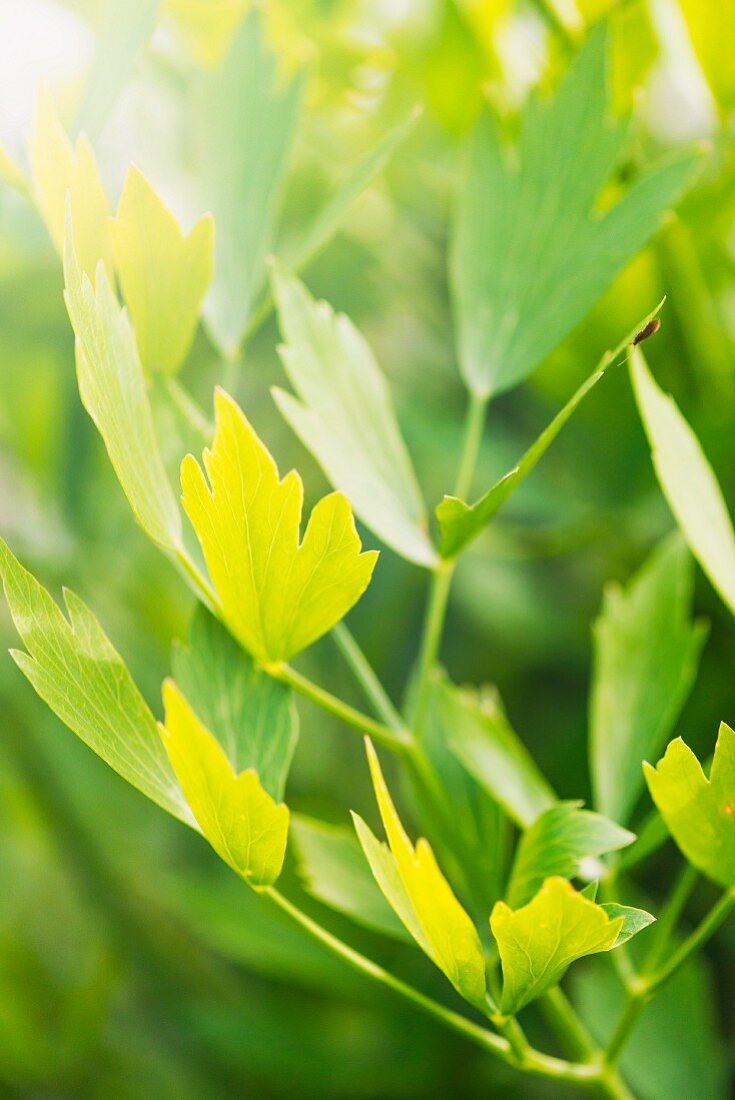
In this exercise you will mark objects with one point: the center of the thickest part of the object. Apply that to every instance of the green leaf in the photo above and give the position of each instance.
(334, 871)
(413, 883)
(64, 175)
(634, 920)
(163, 273)
(699, 812)
(244, 825)
(113, 392)
(277, 595)
(75, 669)
(559, 842)
(242, 121)
(345, 418)
(539, 941)
(688, 481)
(346, 194)
(459, 523)
(123, 32)
(645, 660)
(531, 253)
(484, 741)
(252, 715)
(712, 31)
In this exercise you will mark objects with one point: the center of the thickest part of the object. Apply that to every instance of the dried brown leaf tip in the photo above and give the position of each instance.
(648, 330)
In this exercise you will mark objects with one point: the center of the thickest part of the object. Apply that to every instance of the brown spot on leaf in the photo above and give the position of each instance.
(648, 330)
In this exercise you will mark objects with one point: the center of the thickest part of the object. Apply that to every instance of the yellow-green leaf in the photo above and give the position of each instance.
(712, 30)
(539, 941)
(277, 595)
(163, 272)
(113, 392)
(58, 169)
(422, 898)
(244, 825)
(699, 812)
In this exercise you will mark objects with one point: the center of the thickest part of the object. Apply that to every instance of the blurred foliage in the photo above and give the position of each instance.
(130, 963)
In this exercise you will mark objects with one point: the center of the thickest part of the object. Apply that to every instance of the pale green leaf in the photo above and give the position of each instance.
(113, 392)
(711, 28)
(491, 751)
(242, 116)
(699, 812)
(538, 942)
(123, 31)
(277, 595)
(75, 669)
(531, 253)
(459, 523)
(334, 871)
(688, 481)
(634, 920)
(241, 821)
(559, 842)
(422, 898)
(64, 175)
(163, 273)
(252, 715)
(345, 418)
(645, 659)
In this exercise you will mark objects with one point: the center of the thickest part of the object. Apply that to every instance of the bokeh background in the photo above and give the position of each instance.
(132, 964)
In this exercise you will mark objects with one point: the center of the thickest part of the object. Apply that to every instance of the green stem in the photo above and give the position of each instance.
(669, 916)
(365, 675)
(399, 741)
(188, 409)
(441, 578)
(648, 984)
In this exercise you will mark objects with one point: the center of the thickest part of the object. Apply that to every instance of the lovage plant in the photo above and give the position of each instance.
(508, 884)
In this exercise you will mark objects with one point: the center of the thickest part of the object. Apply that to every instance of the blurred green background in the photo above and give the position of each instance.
(132, 964)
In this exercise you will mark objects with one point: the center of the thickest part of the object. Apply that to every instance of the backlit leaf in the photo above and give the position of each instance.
(75, 669)
(699, 812)
(491, 751)
(531, 253)
(712, 31)
(242, 121)
(113, 392)
(58, 170)
(252, 715)
(163, 273)
(422, 898)
(539, 941)
(688, 481)
(459, 523)
(559, 842)
(334, 871)
(645, 660)
(344, 416)
(244, 825)
(277, 595)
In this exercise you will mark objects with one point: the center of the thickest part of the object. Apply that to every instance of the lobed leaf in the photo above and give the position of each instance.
(113, 392)
(489, 748)
(277, 595)
(538, 942)
(62, 174)
(414, 885)
(75, 669)
(687, 480)
(345, 418)
(252, 714)
(459, 523)
(242, 128)
(559, 842)
(244, 825)
(333, 869)
(163, 273)
(645, 660)
(699, 812)
(531, 253)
